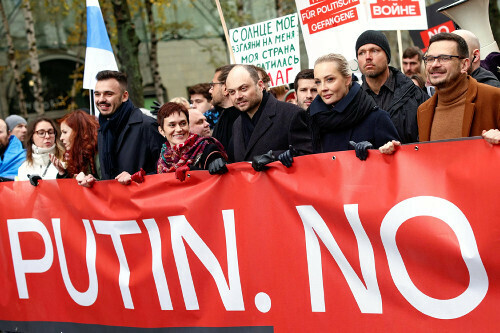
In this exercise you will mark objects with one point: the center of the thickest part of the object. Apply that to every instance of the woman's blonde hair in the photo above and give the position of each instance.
(342, 64)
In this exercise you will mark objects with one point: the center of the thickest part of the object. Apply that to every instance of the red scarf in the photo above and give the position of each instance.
(185, 154)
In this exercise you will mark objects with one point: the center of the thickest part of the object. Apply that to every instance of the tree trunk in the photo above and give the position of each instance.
(33, 54)
(128, 50)
(13, 64)
(77, 73)
(279, 8)
(153, 55)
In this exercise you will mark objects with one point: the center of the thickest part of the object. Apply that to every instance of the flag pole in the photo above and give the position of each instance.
(224, 27)
(400, 48)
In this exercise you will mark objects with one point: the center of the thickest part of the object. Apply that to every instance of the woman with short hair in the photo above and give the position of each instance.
(183, 150)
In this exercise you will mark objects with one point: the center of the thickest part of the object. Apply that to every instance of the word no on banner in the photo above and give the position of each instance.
(272, 45)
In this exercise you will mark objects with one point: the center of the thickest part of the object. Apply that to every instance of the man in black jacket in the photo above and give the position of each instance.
(223, 130)
(127, 139)
(391, 89)
(481, 74)
(265, 123)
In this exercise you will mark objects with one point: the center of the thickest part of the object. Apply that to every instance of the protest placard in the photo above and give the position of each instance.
(272, 45)
(333, 26)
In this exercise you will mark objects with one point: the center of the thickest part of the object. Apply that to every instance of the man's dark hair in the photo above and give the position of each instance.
(462, 48)
(118, 76)
(202, 89)
(167, 109)
(262, 71)
(307, 74)
(224, 71)
(413, 51)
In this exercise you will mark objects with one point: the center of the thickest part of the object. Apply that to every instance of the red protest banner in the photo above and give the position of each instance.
(403, 242)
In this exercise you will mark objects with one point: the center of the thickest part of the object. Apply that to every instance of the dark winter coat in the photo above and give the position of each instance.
(403, 108)
(280, 125)
(485, 76)
(223, 130)
(138, 146)
(358, 119)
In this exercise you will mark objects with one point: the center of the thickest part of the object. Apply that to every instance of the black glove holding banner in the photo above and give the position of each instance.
(155, 108)
(259, 162)
(361, 149)
(286, 158)
(217, 166)
(34, 179)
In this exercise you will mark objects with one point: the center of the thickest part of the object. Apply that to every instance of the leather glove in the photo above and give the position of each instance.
(217, 166)
(286, 158)
(34, 179)
(138, 177)
(361, 149)
(155, 108)
(259, 161)
(180, 173)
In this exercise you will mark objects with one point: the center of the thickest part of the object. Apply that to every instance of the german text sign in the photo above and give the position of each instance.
(333, 26)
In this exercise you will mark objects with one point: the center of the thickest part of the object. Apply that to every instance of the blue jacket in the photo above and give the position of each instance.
(13, 157)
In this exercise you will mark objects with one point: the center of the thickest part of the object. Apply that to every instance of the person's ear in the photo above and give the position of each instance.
(465, 65)
(261, 84)
(161, 131)
(125, 96)
(475, 56)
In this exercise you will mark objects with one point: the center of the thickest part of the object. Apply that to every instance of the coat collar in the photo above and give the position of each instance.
(427, 109)
(264, 123)
(135, 117)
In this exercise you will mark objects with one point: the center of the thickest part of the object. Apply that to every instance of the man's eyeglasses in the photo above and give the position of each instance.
(442, 58)
(212, 84)
(42, 133)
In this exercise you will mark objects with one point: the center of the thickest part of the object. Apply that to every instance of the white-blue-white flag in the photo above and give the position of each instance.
(99, 55)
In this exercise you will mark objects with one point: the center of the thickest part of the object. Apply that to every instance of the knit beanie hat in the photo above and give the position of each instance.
(374, 37)
(14, 120)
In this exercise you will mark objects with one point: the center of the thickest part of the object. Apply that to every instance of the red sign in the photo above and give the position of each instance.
(395, 8)
(408, 241)
(328, 14)
(444, 27)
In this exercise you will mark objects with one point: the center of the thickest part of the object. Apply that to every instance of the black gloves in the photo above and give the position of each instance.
(155, 107)
(34, 179)
(217, 166)
(361, 149)
(259, 161)
(286, 158)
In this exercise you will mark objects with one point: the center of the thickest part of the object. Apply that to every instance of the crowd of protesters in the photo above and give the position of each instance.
(237, 117)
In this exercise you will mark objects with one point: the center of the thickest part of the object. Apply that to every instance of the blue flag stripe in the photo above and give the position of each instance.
(96, 30)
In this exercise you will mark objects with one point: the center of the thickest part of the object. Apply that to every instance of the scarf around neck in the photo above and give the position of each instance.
(346, 113)
(187, 153)
(40, 155)
(110, 129)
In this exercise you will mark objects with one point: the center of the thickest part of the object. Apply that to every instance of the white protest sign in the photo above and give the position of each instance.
(333, 26)
(272, 45)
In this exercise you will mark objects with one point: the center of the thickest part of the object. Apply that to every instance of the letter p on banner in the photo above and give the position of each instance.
(23, 266)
